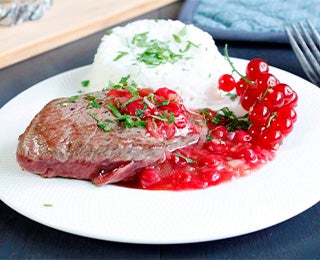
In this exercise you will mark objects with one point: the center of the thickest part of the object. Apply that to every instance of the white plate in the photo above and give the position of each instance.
(280, 190)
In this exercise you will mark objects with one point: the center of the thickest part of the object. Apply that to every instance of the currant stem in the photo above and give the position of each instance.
(226, 54)
(274, 115)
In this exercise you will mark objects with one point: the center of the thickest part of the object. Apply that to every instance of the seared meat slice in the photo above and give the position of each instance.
(66, 138)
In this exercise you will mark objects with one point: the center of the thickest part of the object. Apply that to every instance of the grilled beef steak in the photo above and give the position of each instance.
(68, 138)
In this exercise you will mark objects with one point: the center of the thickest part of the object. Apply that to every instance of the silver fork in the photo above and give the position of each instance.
(306, 45)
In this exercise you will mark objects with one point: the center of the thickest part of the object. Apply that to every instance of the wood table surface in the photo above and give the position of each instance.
(68, 21)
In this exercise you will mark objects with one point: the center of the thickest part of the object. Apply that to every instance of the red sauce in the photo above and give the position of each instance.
(229, 155)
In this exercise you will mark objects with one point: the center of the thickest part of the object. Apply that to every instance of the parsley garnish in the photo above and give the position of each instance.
(164, 117)
(94, 103)
(100, 122)
(129, 121)
(140, 40)
(176, 38)
(187, 159)
(85, 83)
(227, 118)
(70, 100)
(120, 55)
(188, 46)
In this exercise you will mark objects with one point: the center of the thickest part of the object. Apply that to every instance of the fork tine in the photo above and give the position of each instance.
(315, 33)
(311, 43)
(300, 56)
(306, 49)
(307, 59)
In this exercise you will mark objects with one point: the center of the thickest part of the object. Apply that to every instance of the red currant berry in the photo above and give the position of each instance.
(294, 100)
(270, 139)
(287, 112)
(265, 81)
(284, 125)
(255, 68)
(259, 114)
(227, 82)
(273, 99)
(287, 92)
(249, 98)
(242, 136)
(219, 132)
(241, 86)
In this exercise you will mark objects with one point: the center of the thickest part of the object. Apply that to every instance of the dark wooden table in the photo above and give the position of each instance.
(21, 237)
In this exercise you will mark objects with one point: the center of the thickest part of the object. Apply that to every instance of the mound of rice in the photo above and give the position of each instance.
(162, 53)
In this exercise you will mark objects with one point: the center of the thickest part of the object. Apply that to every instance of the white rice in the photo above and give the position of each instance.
(194, 75)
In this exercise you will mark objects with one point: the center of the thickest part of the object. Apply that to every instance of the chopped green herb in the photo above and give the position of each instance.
(85, 83)
(132, 88)
(140, 40)
(148, 102)
(129, 101)
(188, 46)
(120, 55)
(90, 97)
(141, 112)
(176, 38)
(114, 110)
(94, 104)
(47, 205)
(227, 118)
(187, 159)
(100, 123)
(157, 53)
(108, 32)
(124, 80)
(209, 135)
(232, 96)
(70, 100)
(164, 117)
(183, 31)
(163, 103)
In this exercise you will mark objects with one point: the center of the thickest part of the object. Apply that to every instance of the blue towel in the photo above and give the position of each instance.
(249, 20)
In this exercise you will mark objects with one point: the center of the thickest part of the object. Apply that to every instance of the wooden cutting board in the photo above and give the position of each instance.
(66, 21)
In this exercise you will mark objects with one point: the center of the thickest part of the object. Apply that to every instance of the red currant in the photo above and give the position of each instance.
(284, 125)
(270, 139)
(255, 68)
(265, 81)
(287, 112)
(242, 136)
(294, 100)
(241, 86)
(273, 99)
(249, 98)
(286, 90)
(255, 130)
(259, 114)
(227, 82)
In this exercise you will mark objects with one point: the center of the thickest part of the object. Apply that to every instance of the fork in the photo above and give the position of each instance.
(306, 44)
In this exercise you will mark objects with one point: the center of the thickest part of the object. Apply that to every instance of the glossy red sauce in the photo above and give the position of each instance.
(227, 156)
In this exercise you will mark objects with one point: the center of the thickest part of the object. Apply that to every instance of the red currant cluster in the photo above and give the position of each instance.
(270, 104)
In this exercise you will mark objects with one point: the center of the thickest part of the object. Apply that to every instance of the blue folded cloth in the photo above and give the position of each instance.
(249, 20)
